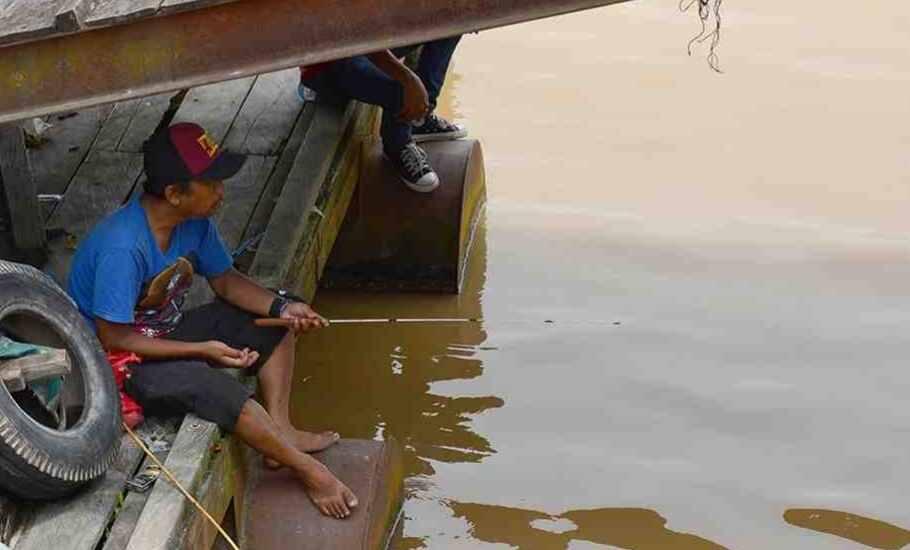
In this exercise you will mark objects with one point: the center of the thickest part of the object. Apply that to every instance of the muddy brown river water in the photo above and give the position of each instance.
(726, 262)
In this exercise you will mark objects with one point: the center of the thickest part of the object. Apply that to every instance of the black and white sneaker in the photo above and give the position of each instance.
(414, 168)
(435, 128)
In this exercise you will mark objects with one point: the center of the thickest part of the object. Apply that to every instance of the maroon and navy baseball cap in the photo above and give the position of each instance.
(182, 153)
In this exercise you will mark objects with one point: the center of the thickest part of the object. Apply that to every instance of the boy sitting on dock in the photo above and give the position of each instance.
(408, 101)
(129, 279)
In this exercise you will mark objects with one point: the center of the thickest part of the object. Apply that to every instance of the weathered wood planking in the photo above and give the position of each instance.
(311, 166)
(98, 188)
(144, 115)
(324, 220)
(24, 20)
(21, 192)
(214, 107)
(122, 528)
(100, 185)
(241, 194)
(265, 121)
(78, 523)
(66, 144)
(112, 12)
(219, 486)
(31, 19)
(259, 218)
(116, 125)
(160, 521)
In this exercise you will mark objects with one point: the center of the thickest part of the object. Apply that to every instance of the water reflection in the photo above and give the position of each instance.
(868, 531)
(635, 528)
(367, 381)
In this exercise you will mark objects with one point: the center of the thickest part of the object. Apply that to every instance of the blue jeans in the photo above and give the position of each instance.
(358, 78)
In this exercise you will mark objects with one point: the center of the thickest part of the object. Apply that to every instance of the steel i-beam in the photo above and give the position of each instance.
(232, 40)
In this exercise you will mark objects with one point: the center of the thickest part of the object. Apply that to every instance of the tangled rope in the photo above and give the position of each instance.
(707, 10)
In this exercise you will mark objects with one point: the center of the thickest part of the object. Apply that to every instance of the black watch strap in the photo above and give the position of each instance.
(277, 305)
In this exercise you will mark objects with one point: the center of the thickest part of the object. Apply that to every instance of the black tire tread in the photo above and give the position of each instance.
(43, 475)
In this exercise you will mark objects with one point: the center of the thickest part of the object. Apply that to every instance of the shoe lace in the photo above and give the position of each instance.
(438, 123)
(414, 158)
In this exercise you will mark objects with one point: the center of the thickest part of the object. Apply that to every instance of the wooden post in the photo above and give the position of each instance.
(19, 190)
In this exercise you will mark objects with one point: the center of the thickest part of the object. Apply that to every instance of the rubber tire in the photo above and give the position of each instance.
(37, 462)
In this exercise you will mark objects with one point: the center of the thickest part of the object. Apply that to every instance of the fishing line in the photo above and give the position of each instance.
(173, 479)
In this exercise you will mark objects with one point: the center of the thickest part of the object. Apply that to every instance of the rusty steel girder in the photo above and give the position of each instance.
(222, 42)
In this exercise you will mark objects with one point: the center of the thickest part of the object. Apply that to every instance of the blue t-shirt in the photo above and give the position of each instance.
(120, 275)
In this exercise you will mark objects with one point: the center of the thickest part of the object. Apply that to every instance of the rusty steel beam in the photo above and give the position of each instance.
(227, 41)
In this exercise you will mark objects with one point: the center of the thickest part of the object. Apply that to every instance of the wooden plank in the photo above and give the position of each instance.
(78, 523)
(241, 194)
(17, 373)
(122, 528)
(27, 20)
(149, 113)
(311, 166)
(116, 125)
(259, 218)
(20, 190)
(100, 185)
(267, 116)
(215, 106)
(54, 162)
(217, 490)
(113, 12)
(161, 519)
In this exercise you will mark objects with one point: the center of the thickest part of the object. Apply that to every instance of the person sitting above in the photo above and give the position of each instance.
(408, 101)
(129, 279)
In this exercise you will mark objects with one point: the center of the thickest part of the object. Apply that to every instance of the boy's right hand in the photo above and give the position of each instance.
(416, 102)
(225, 355)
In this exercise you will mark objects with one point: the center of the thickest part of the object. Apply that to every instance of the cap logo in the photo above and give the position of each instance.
(209, 146)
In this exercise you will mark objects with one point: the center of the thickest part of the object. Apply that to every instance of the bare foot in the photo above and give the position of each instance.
(307, 442)
(329, 495)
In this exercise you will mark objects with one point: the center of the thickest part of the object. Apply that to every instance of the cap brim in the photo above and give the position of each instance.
(225, 165)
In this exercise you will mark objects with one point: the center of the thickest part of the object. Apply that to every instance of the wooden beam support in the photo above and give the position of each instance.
(147, 51)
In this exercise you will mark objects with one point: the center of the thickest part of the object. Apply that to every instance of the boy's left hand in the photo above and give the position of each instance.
(305, 318)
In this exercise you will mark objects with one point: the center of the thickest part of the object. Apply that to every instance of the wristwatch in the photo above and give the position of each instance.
(278, 305)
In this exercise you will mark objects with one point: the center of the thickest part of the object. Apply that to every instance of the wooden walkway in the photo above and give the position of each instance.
(293, 192)
(25, 20)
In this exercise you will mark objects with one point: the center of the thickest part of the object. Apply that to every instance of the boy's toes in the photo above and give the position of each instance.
(349, 498)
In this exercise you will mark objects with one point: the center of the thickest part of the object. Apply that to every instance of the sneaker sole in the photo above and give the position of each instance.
(419, 189)
(422, 138)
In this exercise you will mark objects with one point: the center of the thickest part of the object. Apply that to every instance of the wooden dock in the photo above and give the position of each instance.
(292, 195)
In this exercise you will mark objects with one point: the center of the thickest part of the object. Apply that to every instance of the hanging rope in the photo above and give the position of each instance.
(708, 11)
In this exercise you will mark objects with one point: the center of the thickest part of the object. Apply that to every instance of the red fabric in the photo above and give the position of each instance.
(310, 71)
(194, 146)
(120, 363)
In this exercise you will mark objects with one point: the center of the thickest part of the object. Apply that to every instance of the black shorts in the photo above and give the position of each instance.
(176, 387)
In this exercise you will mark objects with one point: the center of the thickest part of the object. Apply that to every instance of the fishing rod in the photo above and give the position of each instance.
(275, 322)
